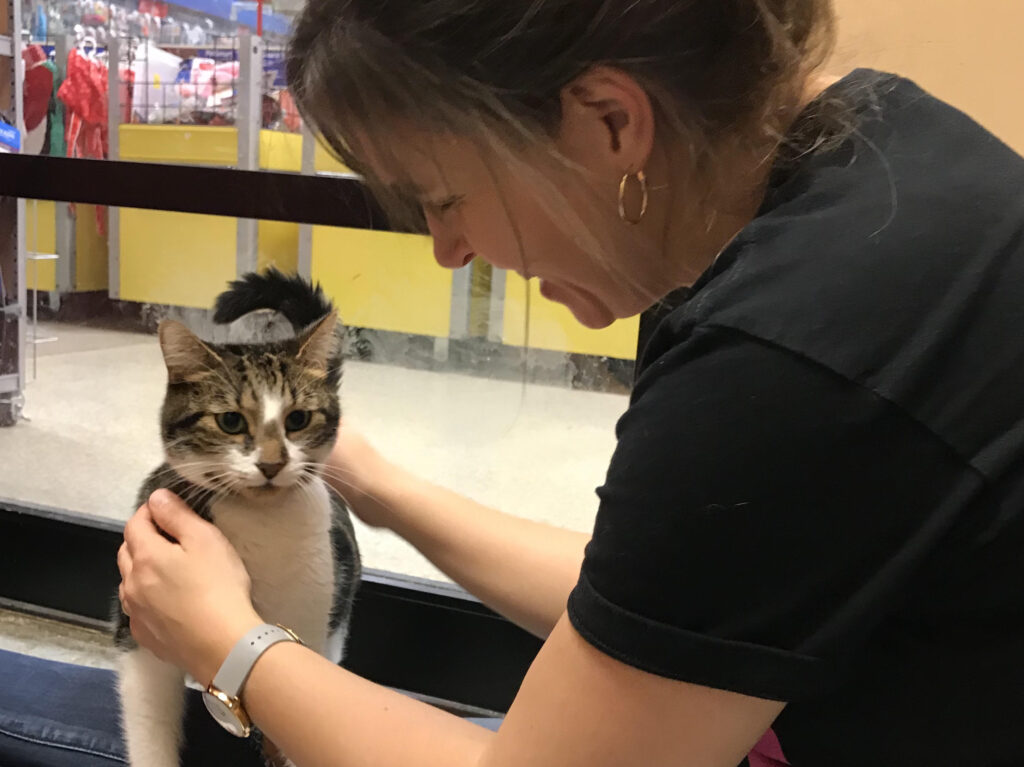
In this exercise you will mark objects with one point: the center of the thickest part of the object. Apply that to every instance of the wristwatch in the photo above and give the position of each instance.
(222, 697)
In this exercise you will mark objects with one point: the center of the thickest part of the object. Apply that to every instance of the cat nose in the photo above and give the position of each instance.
(270, 470)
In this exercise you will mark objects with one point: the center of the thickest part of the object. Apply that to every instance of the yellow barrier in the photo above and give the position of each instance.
(91, 251)
(325, 162)
(180, 259)
(383, 280)
(553, 327)
(185, 259)
(279, 240)
(379, 280)
(179, 144)
(41, 237)
(90, 256)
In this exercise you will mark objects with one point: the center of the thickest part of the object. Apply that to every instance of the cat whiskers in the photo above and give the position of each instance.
(330, 472)
(178, 470)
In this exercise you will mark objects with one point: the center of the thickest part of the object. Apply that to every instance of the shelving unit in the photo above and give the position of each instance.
(12, 228)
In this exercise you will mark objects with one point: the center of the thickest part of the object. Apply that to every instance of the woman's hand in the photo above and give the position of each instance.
(361, 475)
(188, 599)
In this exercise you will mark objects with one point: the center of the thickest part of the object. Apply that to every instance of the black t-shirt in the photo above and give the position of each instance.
(818, 490)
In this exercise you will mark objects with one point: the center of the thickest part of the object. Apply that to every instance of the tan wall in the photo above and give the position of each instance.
(966, 52)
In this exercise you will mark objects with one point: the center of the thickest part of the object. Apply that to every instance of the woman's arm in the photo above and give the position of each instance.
(577, 707)
(189, 604)
(520, 568)
(321, 715)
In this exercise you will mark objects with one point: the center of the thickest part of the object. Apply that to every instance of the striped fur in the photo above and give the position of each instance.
(262, 486)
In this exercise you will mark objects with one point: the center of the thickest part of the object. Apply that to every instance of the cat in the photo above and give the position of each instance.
(246, 427)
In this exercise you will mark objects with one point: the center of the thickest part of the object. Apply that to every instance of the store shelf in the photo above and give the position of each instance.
(6, 45)
(8, 384)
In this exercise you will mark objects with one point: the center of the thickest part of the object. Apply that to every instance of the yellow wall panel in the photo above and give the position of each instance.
(553, 327)
(325, 162)
(41, 275)
(181, 259)
(280, 151)
(180, 144)
(41, 237)
(279, 240)
(383, 280)
(278, 246)
(91, 251)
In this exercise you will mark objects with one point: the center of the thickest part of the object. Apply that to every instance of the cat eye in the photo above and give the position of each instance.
(297, 419)
(232, 422)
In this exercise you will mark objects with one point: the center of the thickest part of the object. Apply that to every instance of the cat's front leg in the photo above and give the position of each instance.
(273, 756)
(152, 708)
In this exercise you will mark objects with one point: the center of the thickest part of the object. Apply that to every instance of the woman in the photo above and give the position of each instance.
(808, 543)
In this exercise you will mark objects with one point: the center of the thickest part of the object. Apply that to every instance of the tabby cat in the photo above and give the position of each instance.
(246, 427)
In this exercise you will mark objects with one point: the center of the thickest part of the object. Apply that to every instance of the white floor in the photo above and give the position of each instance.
(92, 436)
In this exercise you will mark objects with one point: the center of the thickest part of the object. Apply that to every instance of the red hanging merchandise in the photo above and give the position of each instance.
(84, 93)
(38, 86)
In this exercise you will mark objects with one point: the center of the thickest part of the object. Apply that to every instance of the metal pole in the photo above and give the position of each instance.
(306, 230)
(114, 153)
(19, 100)
(35, 315)
(249, 120)
(64, 222)
(496, 318)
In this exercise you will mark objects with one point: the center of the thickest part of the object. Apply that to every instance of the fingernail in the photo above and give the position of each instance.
(161, 498)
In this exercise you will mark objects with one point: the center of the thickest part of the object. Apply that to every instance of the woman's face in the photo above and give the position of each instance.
(476, 210)
(559, 222)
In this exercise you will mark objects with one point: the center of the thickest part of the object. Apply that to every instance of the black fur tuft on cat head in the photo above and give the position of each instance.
(301, 302)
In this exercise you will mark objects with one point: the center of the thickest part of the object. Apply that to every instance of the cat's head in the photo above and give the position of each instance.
(250, 418)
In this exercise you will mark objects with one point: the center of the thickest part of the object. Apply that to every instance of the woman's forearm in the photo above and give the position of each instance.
(520, 568)
(320, 715)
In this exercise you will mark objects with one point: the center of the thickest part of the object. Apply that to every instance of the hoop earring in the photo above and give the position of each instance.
(642, 180)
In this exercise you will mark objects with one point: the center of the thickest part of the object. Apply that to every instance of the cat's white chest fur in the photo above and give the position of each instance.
(285, 543)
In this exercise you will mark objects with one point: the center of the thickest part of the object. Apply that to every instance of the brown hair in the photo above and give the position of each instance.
(715, 70)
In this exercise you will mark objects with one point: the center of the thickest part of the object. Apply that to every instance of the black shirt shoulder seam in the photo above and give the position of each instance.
(806, 358)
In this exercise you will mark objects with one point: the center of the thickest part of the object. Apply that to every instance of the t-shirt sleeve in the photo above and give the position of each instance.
(760, 518)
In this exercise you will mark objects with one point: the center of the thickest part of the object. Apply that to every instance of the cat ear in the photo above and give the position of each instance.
(319, 343)
(187, 358)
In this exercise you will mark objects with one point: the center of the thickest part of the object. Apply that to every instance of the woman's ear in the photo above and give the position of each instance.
(608, 120)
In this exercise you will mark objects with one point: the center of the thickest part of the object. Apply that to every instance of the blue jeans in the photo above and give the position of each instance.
(61, 715)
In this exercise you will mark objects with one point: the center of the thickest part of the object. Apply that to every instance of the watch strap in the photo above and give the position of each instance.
(243, 656)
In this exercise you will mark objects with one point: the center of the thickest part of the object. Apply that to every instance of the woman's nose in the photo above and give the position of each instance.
(450, 251)
(452, 258)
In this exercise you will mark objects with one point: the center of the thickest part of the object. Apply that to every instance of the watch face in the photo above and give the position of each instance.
(227, 718)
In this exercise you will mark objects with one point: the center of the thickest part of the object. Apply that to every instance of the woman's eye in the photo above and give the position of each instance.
(297, 419)
(445, 205)
(232, 422)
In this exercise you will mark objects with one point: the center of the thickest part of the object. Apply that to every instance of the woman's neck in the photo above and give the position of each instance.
(697, 231)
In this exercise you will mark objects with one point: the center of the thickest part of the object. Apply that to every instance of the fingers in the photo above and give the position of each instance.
(136, 529)
(124, 561)
(163, 515)
(172, 515)
(124, 565)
